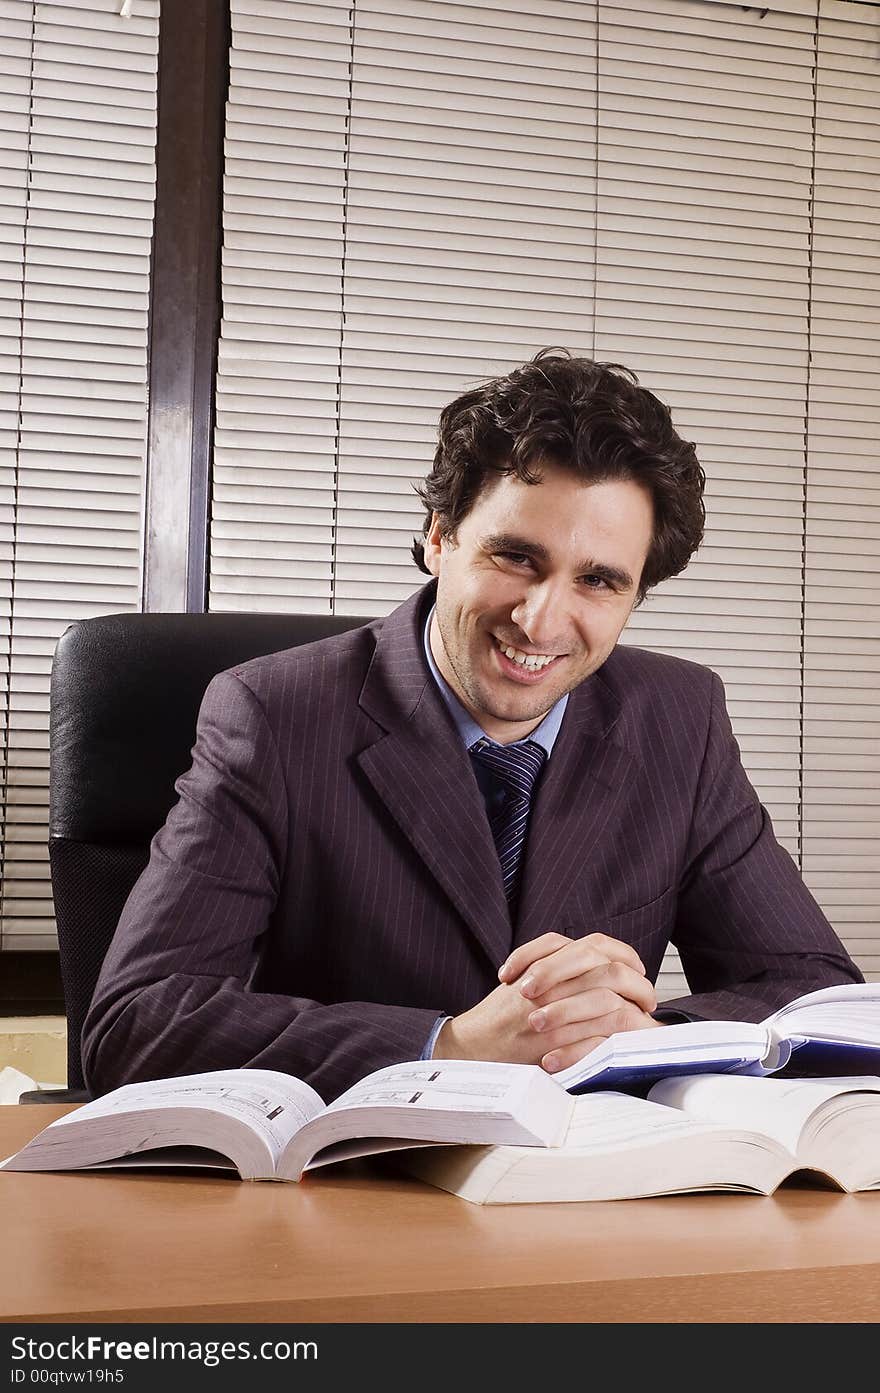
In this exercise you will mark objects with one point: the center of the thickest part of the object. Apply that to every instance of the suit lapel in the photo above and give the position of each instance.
(421, 771)
(575, 805)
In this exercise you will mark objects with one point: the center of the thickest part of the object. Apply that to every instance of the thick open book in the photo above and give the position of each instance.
(832, 1031)
(702, 1132)
(272, 1126)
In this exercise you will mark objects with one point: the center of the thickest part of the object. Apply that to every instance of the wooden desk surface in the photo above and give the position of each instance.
(357, 1247)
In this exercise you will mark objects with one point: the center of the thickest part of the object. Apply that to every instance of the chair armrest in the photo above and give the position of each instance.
(54, 1095)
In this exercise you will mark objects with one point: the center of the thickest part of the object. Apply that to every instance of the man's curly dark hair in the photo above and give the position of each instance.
(591, 418)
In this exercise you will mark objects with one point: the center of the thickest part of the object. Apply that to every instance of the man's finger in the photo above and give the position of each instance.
(567, 1050)
(577, 957)
(558, 1059)
(597, 1012)
(528, 953)
(591, 948)
(614, 976)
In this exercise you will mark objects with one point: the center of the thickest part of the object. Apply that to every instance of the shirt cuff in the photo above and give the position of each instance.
(428, 1051)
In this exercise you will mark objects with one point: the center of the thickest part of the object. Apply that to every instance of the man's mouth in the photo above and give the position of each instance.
(524, 665)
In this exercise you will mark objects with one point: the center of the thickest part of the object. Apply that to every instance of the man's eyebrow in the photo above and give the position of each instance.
(508, 541)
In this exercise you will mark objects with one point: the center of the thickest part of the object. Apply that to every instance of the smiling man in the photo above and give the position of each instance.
(532, 595)
(471, 829)
(535, 591)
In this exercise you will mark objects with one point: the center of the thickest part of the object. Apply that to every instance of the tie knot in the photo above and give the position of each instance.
(517, 765)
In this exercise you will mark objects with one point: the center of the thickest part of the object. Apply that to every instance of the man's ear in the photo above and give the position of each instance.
(433, 546)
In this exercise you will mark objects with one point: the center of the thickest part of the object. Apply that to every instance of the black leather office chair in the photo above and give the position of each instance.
(125, 693)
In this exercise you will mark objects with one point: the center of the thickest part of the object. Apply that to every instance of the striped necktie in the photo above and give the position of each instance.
(516, 768)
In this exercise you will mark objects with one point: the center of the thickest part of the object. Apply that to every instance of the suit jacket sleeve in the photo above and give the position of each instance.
(175, 993)
(750, 935)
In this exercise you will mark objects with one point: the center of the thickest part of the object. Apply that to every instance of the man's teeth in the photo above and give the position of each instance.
(532, 661)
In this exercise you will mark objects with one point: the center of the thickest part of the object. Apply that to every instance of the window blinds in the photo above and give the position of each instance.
(409, 204)
(841, 844)
(702, 285)
(641, 180)
(79, 111)
(276, 437)
(16, 37)
(470, 239)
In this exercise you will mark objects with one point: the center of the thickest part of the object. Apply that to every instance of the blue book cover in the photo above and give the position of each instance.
(835, 1030)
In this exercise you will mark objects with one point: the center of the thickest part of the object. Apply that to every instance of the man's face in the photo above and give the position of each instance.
(533, 592)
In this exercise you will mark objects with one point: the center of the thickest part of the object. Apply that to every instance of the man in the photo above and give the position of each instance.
(471, 829)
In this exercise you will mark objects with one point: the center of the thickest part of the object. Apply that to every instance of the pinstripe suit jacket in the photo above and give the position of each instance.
(327, 883)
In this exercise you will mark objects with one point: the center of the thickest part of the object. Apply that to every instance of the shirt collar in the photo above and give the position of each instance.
(544, 735)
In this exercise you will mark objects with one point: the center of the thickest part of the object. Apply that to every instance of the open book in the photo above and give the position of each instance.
(272, 1126)
(702, 1132)
(832, 1031)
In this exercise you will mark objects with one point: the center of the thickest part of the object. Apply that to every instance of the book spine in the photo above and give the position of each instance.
(777, 1056)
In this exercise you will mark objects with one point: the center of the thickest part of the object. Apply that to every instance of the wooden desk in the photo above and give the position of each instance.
(357, 1247)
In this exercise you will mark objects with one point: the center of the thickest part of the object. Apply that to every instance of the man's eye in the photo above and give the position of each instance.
(517, 558)
(594, 582)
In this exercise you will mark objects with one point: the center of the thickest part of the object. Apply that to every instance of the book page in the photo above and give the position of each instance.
(460, 1085)
(617, 1147)
(779, 1108)
(272, 1104)
(610, 1121)
(448, 1100)
(849, 1013)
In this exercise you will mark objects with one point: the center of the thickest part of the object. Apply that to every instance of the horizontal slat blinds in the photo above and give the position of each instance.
(792, 7)
(842, 621)
(469, 242)
(277, 407)
(702, 286)
(16, 37)
(440, 226)
(89, 133)
(632, 179)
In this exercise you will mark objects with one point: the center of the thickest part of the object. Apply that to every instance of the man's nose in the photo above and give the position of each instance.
(542, 614)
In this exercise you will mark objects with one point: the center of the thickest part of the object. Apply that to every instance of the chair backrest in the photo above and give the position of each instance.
(125, 694)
